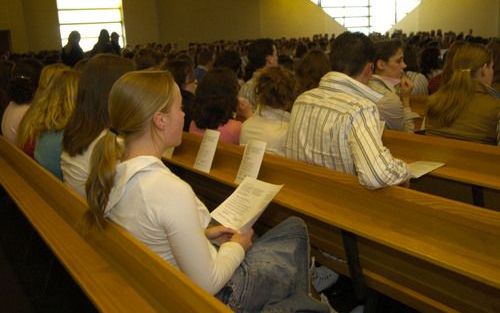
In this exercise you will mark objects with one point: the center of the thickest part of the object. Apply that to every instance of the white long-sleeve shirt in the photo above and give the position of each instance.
(162, 211)
(337, 126)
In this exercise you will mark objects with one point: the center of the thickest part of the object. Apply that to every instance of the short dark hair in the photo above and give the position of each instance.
(204, 57)
(180, 70)
(385, 49)
(259, 50)
(24, 80)
(216, 99)
(229, 59)
(351, 52)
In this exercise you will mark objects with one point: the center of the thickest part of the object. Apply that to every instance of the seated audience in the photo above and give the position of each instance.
(261, 53)
(183, 74)
(390, 81)
(26, 138)
(20, 90)
(230, 59)
(216, 104)
(494, 46)
(90, 116)
(464, 106)
(337, 125)
(130, 185)
(103, 44)
(71, 53)
(275, 90)
(310, 69)
(205, 62)
(445, 75)
(5, 74)
(149, 59)
(430, 65)
(49, 115)
(412, 71)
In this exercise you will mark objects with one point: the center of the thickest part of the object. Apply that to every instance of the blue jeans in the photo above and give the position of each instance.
(274, 277)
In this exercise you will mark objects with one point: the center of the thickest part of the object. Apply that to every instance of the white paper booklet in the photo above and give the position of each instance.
(207, 150)
(251, 160)
(245, 205)
(420, 168)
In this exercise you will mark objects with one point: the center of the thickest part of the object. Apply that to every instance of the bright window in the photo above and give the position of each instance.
(368, 15)
(88, 17)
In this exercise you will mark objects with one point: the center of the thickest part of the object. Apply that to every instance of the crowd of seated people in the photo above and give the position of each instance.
(100, 120)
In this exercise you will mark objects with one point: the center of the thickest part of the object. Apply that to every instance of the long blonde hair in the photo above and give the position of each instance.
(52, 109)
(48, 72)
(133, 100)
(450, 100)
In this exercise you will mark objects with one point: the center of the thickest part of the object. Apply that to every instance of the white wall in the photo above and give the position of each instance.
(483, 16)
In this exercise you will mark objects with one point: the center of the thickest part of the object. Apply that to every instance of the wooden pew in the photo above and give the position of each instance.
(433, 254)
(471, 174)
(118, 273)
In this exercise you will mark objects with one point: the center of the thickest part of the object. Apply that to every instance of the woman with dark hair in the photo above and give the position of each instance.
(275, 92)
(5, 74)
(216, 103)
(183, 74)
(389, 80)
(229, 59)
(464, 107)
(310, 69)
(412, 71)
(72, 52)
(90, 116)
(20, 91)
(103, 44)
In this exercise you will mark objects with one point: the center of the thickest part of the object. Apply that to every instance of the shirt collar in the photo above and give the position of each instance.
(347, 84)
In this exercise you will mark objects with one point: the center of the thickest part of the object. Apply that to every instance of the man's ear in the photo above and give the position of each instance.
(379, 65)
(159, 121)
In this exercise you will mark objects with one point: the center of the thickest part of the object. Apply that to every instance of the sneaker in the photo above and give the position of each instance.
(324, 300)
(322, 278)
(358, 309)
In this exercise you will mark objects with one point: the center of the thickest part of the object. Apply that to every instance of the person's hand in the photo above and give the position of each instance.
(219, 234)
(244, 239)
(406, 87)
(244, 109)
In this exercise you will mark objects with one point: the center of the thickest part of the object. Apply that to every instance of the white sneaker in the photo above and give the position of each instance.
(322, 278)
(358, 309)
(324, 300)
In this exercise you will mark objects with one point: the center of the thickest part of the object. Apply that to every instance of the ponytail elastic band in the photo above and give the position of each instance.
(114, 131)
(465, 70)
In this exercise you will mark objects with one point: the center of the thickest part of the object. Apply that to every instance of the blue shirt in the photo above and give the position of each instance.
(48, 151)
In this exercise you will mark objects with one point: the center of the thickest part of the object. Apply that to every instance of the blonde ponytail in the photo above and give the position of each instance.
(107, 153)
(134, 99)
(449, 101)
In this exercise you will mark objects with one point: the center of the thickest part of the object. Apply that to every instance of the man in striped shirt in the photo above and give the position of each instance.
(337, 125)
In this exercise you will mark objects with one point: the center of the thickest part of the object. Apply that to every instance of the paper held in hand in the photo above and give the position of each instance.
(420, 168)
(245, 205)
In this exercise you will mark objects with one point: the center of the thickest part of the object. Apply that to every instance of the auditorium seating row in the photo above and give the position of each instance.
(431, 253)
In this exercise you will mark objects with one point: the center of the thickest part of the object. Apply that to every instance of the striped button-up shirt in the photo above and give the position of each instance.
(337, 126)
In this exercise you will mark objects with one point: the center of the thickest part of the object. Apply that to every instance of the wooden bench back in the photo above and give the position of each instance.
(117, 272)
(431, 253)
(467, 163)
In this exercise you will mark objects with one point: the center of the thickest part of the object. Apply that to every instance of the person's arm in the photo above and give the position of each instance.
(375, 166)
(194, 254)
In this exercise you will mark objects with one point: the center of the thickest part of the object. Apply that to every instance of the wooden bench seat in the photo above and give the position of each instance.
(433, 254)
(470, 167)
(117, 273)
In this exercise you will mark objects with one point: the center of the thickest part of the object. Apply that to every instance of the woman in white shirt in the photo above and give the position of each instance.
(90, 117)
(275, 89)
(129, 184)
